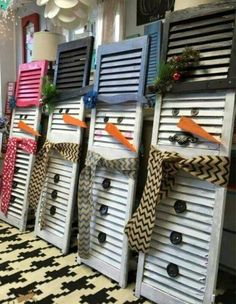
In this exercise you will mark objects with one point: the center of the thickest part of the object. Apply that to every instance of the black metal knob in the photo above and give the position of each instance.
(106, 119)
(14, 185)
(54, 194)
(172, 270)
(180, 206)
(103, 209)
(106, 183)
(176, 238)
(102, 237)
(56, 178)
(52, 210)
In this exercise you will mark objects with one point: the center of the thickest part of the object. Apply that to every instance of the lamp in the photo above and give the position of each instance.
(45, 47)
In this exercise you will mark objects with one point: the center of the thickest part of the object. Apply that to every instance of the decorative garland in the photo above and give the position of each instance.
(49, 94)
(176, 69)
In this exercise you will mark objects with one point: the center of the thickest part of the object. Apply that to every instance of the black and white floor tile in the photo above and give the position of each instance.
(33, 271)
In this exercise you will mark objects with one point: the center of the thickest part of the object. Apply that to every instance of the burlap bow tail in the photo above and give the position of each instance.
(162, 168)
(126, 166)
(69, 151)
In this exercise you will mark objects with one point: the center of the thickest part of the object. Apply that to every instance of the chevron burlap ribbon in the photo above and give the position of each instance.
(126, 166)
(162, 168)
(69, 151)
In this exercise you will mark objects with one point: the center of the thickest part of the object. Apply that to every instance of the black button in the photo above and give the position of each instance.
(106, 183)
(176, 238)
(16, 170)
(60, 111)
(14, 185)
(103, 209)
(173, 270)
(102, 237)
(12, 199)
(56, 178)
(119, 120)
(54, 194)
(180, 206)
(52, 210)
(106, 119)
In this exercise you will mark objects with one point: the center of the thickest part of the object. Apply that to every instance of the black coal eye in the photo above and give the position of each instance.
(67, 110)
(26, 116)
(61, 110)
(21, 116)
(119, 120)
(106, 119)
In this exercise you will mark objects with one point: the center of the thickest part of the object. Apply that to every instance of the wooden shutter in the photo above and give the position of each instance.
(58, 225)
(18, 209)
(154, 31)
(121, 69)
(73, 64)
(211, 30)
(28, 88)
(201, 224)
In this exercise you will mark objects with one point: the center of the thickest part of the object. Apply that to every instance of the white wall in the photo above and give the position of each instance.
(7, 63)
(130, 19)
(181, 4)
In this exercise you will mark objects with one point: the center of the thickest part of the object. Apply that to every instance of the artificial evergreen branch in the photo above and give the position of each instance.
(176, 69)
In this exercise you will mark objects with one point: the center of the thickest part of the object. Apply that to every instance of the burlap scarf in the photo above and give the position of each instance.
(162, 168)
(126, 166)
(26, 144)
(70, 151)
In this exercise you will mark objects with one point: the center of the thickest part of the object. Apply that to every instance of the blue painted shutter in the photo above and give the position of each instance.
(154, 30)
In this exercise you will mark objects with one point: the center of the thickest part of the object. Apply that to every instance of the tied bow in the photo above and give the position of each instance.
(126, 166)
(162, 168)
(70, 151)
(29, 146)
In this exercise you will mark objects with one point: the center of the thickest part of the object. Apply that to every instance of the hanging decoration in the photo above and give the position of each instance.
(4, 4)
(68, 14)
(176, 69)
(7, 15)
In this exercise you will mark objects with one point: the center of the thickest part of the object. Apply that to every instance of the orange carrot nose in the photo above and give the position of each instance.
(74, 121)
(187, 124)
(115, 132)
(23, 126)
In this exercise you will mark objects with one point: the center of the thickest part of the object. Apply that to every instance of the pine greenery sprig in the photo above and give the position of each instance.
(49, 94)
(174, 70)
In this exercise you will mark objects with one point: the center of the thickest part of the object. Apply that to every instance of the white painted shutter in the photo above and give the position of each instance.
(74, 59)
(18, 208)
(201, 224)
(121, 68)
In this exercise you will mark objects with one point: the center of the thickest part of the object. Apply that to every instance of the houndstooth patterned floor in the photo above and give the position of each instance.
(32, 271)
